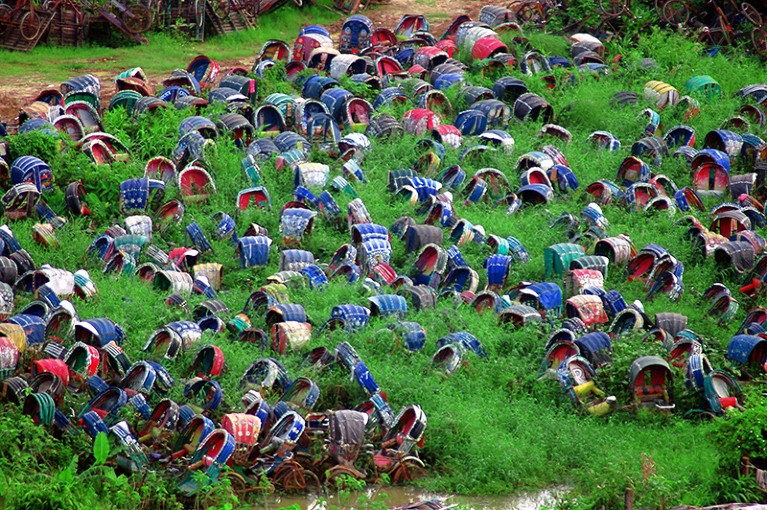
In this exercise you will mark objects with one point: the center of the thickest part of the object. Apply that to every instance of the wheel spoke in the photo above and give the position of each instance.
(759, 40)
(29, 26)
(613, 7)
(751, 14)
(675, 12)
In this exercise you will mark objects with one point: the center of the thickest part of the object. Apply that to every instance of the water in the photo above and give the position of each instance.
(396, 496)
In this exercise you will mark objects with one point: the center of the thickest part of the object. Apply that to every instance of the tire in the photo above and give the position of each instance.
(759, 40)
(141, 19)
(313, 484)
(675, 12)
(5, 17)
(6, 12)
(222, 8)
(336, 472)
(407, 470)
(751, 14)
(240, 484)
(30, 25)
(613, 7)
(292, 478)
(531, 13)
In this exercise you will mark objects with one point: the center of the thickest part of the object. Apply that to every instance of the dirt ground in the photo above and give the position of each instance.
(16, 92)
(439, 12)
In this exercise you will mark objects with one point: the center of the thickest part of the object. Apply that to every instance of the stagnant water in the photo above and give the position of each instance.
(395, 496)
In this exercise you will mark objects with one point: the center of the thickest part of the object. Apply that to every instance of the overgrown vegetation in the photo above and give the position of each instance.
(494, 427)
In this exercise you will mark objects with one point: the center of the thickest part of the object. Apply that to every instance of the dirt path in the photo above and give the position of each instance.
(439, 12)
(18, 91)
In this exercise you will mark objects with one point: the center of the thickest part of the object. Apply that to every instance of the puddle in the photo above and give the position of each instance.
(396, 496)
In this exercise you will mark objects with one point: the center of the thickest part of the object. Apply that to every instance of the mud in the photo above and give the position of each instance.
(398, 496)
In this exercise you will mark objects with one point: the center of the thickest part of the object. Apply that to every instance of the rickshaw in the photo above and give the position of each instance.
(651, 384)
(749, 351)
(395, 457)
(578, 380)
(346, 431)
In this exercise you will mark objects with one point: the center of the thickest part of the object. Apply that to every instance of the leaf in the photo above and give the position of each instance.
(66, 475)
(101, 448)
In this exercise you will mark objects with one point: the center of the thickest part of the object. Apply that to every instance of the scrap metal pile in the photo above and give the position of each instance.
(271, 429)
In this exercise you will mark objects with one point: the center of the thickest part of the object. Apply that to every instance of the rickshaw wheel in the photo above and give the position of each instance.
(759, 40)
(141, 21)
(407, 470)
(675, 12)
(336, 472)
(531, 13)
(305, 459)
(751, 14)
(613, 7)
(700, 415)
(294, 478)
(222, 8)
(30, 25)
(240, 484)
(313, 484)
(719, 37)
(5, 18)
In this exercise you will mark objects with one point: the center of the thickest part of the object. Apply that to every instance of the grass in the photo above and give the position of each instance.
(494, 428)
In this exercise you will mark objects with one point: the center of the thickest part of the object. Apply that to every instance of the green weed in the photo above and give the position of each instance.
(494, 428)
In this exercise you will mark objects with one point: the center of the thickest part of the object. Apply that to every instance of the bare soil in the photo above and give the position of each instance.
(439, 12)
